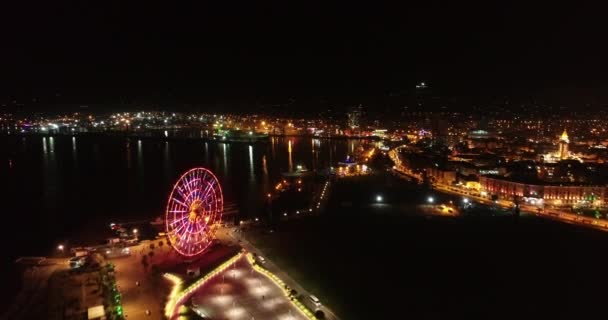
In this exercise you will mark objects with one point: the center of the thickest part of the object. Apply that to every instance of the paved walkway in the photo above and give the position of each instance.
(240, 292)
(151, 292)
(226, 234)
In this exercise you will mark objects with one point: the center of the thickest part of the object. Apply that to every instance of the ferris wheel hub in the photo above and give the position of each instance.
(197, 211)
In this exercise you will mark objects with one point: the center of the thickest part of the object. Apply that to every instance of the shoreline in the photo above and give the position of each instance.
(159, 135)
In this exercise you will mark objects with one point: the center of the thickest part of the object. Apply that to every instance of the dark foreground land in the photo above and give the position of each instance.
(369, 261)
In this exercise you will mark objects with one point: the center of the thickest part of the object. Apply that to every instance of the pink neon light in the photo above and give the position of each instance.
(188, 236)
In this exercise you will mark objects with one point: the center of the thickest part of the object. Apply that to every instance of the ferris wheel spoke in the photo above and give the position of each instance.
(201, 183)
(181, 193)
(207, 190)
(183, 235)
(179, 202)
(209, 199)
(202, 177)
(200, 227)
(193, 192)
(189, 183)
(189, 198)
(178, 230)
(178, 220)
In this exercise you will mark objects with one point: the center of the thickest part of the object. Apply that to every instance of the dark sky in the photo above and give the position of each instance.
(206, 51)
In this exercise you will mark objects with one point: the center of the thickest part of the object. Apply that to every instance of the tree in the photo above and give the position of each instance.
(598, 215)
(144, 262)
(160, 244)
(151, 254)
(151, 246)
(155, 269)
(319, 314)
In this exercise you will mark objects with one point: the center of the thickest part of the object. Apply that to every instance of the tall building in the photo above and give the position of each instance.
(563, 146)
(439, 129)
(354, 118)
(562, 153)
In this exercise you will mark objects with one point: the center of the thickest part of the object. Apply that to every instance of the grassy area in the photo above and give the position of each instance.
(386, 261)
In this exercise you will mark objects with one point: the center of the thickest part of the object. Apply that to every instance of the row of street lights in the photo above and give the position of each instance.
(430, 199)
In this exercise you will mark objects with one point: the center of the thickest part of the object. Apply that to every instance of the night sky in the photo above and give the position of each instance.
(114, 51)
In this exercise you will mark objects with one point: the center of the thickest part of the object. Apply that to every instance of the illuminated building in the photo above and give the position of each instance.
(551, 194)
(563, 151)
(563, 146)
(354, 118)
(440, 175)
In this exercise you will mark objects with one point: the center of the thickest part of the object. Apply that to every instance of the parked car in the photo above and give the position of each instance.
(315, 301)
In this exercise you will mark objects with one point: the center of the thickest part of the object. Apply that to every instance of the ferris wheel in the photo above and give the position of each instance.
(194, 209)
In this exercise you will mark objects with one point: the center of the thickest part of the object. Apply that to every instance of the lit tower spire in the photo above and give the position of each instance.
(563, 152)
(564, 137)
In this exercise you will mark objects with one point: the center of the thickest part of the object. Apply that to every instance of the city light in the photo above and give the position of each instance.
(514, 156)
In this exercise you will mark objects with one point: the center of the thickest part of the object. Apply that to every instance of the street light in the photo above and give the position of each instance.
(465, 200)
(60, 247)
(430, 200)
(134, 231)
(378, 198)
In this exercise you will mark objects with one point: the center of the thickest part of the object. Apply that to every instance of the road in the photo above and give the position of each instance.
(228, 234)
(558, 215)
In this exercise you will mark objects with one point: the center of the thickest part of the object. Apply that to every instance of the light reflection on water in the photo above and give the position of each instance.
(70, 180)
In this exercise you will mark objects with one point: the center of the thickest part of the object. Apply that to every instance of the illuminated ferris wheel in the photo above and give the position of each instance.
(193, 211)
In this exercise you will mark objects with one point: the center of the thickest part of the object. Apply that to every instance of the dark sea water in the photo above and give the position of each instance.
(54, 187)
(67, 189)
